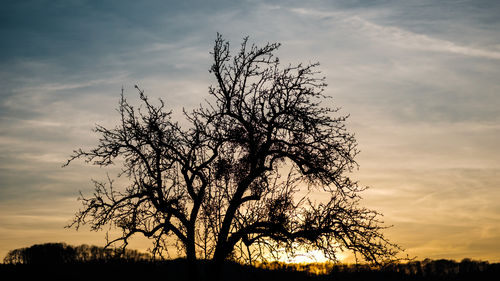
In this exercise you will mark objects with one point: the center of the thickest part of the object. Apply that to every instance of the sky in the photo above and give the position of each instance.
(419, 79)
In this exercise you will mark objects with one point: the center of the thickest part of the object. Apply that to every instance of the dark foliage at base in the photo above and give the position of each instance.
(176, 270)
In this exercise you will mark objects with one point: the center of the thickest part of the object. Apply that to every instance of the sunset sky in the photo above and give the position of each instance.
(420, 80)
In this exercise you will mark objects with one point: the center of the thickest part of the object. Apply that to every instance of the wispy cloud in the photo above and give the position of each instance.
(396, 35)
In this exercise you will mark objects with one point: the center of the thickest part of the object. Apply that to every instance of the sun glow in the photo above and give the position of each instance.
(307, 257)
(315, 256)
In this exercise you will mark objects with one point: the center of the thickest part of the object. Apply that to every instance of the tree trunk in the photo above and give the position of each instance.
(223, 249)
(192, 267)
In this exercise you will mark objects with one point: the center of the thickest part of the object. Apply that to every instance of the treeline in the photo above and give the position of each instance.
(427, 269)
(61, 253)
(96, 263)
(443, 267)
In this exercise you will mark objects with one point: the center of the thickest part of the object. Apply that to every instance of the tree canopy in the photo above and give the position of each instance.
(263, 168)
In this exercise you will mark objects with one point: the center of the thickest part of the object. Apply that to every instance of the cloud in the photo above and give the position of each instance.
(438, 213)
(407, 39)
(396, 35)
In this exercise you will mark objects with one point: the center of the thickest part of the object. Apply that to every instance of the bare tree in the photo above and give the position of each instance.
(240, 182)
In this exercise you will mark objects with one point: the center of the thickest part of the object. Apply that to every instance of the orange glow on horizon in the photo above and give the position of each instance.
(314, 256)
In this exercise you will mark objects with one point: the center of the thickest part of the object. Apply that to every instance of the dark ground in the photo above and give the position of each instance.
(176, 270)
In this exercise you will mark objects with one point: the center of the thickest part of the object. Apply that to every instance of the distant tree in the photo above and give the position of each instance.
(239, 182)
(14, 257)
(53, 253)
(62, 253)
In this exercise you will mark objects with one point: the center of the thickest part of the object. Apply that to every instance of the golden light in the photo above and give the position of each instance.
(314, 256)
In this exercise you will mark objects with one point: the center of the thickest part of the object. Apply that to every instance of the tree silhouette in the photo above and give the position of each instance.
(239, 182)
